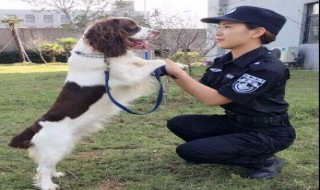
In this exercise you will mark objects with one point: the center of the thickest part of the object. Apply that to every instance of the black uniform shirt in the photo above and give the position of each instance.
(255, 82)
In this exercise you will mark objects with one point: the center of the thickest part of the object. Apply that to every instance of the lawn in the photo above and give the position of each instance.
(138, 152)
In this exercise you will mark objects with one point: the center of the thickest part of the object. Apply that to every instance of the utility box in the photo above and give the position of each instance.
(287, 54)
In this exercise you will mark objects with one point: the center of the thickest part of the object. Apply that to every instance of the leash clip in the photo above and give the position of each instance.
(107, 62)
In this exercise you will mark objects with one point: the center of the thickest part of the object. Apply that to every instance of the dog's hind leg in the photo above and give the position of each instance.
(47, 161)
(44, 181)
(50, 146)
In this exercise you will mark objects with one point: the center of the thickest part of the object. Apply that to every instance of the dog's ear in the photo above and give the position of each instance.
(106, 37)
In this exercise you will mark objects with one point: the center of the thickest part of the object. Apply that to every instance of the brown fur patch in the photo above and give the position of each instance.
(72, 101)
(110, 35)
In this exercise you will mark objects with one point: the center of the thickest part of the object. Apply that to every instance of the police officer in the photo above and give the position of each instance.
(249, 83)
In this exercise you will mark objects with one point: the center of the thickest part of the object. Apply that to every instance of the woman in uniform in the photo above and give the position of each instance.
(249, 84)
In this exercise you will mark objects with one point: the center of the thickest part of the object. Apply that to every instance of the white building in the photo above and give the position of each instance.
(300, 31)
(54, 19)
(35, 19)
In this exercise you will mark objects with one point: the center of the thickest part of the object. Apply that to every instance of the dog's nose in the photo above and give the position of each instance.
(155, 33)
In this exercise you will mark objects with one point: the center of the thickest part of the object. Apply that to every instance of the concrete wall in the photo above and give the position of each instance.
(28, 35)
(292, 33)
(311, 53)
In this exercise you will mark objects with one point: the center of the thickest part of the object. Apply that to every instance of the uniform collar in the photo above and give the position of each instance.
(245, 59)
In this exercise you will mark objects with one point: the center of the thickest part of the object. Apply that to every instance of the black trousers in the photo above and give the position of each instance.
(217, 139)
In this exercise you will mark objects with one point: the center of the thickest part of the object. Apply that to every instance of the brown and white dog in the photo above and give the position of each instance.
(83, 106)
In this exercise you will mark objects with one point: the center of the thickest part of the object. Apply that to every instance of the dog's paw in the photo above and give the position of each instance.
(58, 174)
(36, 181)
(51, 186)
(182, 66)
(54, 187)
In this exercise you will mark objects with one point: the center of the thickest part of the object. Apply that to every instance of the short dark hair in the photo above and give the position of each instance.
(266, 38)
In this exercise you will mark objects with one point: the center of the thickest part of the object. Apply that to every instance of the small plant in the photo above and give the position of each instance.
(67, 44)
(188, 58)
(52, 50)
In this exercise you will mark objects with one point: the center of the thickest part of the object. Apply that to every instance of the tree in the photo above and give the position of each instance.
(180, 35)
(12, 24)
(37, 39)
(52, 50)
(67, 44)
(78, 12)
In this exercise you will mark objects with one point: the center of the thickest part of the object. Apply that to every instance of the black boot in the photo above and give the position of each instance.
(268, 171)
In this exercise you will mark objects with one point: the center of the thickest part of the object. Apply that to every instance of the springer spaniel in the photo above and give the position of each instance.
(82, 106)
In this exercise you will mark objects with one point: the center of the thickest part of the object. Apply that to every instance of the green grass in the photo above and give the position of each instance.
(33, 68)
(138, 152)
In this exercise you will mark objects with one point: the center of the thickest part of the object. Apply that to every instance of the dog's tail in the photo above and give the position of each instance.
(23, 140)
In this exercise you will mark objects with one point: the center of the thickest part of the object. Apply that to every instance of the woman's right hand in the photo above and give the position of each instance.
(172, 68)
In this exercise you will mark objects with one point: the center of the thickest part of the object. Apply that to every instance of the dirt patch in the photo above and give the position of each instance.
(90, 155)
(113, 184)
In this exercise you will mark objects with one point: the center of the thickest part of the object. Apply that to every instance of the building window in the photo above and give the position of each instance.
(65, 19)
(311, 33)
(30, 18)
(48, 18)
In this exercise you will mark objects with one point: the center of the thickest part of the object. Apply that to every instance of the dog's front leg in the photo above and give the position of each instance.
(134, 75)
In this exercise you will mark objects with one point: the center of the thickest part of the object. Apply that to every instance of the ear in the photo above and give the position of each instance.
(105, 37)
(258, 32)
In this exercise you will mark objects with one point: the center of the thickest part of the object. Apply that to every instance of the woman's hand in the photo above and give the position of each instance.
(172, 68)
(204, 93)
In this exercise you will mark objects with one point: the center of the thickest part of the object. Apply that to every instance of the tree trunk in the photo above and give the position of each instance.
(189, 69)
(17, 41)
(53, 58)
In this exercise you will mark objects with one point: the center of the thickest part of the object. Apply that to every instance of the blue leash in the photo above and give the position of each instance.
(157, 74)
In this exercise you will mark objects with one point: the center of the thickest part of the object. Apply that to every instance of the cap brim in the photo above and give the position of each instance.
(220, 18)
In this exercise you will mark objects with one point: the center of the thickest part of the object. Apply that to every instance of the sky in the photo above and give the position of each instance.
(186, 8)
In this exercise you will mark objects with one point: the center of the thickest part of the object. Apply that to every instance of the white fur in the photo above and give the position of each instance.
(130, 78)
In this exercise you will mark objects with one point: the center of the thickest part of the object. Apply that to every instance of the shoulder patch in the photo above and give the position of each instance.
(256, 66)
(215, 70)
(247, 84)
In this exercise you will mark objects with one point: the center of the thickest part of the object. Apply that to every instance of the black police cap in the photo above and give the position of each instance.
(265, 18)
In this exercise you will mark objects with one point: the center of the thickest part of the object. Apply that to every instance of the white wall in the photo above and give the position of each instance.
(39, 18)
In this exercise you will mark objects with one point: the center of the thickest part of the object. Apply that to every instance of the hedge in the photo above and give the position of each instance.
(13, 57)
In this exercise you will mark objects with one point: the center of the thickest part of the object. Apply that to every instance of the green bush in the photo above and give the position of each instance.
(187, 57)
(67, 43)
(13, 57)
(52, 50)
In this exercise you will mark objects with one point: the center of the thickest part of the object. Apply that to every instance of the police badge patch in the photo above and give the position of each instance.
(247, 84)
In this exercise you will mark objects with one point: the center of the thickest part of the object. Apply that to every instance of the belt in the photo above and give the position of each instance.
(257, 119)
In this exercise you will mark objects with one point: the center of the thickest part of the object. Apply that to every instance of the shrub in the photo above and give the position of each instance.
(52, 50)
(13, 57)
(67, 43)
(187, 57)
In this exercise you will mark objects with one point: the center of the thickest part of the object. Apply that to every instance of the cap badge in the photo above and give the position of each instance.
(231, 11)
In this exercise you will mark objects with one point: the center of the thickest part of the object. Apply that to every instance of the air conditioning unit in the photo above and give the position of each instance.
(286, 54)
